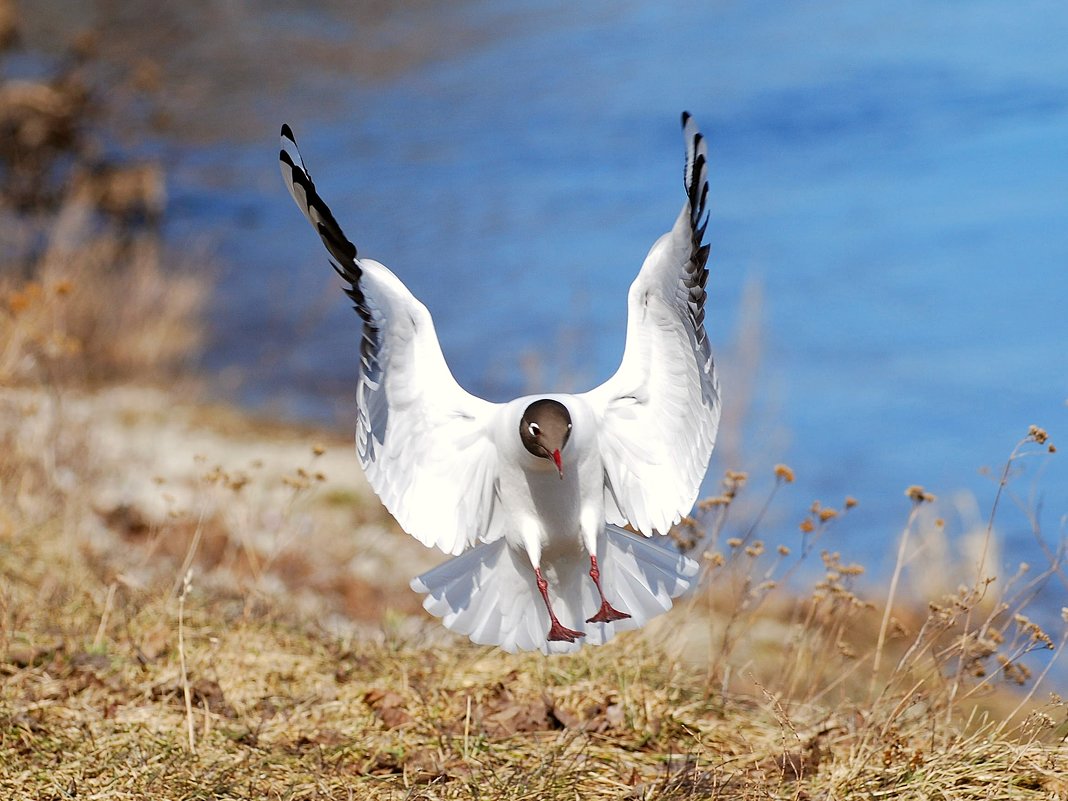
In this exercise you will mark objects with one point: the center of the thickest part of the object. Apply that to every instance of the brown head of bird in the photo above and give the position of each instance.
(544, 429)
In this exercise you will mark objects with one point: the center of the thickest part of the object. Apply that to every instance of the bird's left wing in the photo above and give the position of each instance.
(659, 413)
(425, 444)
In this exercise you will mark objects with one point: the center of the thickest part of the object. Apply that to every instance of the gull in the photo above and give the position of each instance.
(530, 497)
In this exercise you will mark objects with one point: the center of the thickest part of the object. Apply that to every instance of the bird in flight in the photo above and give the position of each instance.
(530, 497)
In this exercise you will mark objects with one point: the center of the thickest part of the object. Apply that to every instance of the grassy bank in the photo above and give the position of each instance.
(201, 605)
(202, 701)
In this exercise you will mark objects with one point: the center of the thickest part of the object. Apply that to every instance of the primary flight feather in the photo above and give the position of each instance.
(529, 495)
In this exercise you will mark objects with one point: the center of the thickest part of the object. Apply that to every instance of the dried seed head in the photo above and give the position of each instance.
(918, 494)
(850, 502)
(1039, 435)
(784, 474)
(827, 514)
(807, 525)
(715, 558)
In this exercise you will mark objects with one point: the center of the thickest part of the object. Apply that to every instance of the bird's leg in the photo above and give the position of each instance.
(607, 612)
(557, 631)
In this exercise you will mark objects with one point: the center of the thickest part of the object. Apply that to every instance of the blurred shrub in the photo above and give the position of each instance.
(88, 290)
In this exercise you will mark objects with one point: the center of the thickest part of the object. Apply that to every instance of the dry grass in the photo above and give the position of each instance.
(99, 312)
(94, 703)
(88, 293)
(205, 648)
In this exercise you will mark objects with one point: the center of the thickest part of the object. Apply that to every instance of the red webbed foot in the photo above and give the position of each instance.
(558, 632)
(607, 614)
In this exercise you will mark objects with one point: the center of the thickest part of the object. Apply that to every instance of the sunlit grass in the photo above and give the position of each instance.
(163, 654)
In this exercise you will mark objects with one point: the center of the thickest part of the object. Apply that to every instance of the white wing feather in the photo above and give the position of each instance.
(424, 443)
(659, 413)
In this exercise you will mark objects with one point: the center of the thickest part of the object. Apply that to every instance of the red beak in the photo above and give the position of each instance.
(559, 464)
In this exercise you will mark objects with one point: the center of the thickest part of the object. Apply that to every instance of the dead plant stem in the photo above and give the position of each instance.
(898, 565)
(187, 582)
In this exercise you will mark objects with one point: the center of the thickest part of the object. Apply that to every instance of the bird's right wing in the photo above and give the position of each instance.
(659, 413)
(424, 443)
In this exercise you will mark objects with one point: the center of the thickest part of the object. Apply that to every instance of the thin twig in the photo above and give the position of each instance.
(191, 552)
(980, 587)
(898, 565)
(102, 628)
(1034, 685)
(187, 583)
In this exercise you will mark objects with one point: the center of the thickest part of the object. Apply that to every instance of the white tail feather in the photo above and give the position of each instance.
(489, 592)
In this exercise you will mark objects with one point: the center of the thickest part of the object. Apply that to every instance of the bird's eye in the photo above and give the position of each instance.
(534, 429)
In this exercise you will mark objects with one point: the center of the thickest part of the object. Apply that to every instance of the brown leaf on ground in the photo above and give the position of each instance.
(421, 765)
(388, 706)
(203, 694)
(324, 737)
(155, 643)
(126, 520)
(593, 717)
(23, 655)
(502, 714)
(518, 718)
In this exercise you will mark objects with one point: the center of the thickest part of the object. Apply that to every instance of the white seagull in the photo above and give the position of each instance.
(529, 494)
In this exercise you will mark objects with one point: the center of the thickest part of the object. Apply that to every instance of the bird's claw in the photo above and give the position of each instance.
(607, 614)
(561, 633)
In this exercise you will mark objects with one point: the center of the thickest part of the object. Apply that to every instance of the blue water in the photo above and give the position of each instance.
(893, 177)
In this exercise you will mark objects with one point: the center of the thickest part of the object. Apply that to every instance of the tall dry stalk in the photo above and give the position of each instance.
(187, 583)
(918, 496)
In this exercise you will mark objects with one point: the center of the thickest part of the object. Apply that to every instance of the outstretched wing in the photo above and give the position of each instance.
(660, 411)
(424, 443)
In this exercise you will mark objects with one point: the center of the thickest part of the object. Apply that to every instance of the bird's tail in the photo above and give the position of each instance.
(489, 593)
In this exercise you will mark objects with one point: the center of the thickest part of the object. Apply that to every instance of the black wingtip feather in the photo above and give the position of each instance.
(335, 240)
(696, 186)
(695, 182)
(339, 245)
(342, 251)
(699, 231)
(702, 259)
